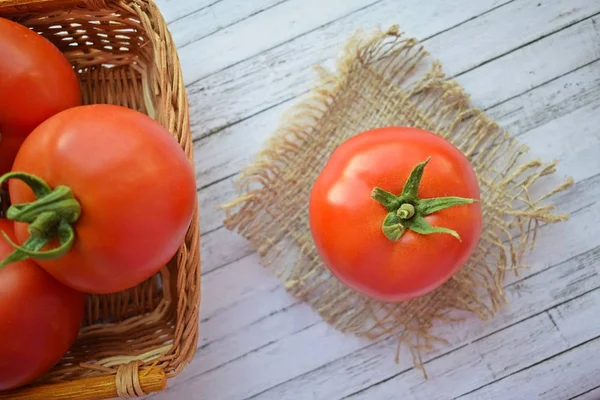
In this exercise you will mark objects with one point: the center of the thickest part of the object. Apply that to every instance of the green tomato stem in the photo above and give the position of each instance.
(51, 216)
(408, 212)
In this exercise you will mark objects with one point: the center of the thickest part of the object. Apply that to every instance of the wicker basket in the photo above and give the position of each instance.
(131, 342)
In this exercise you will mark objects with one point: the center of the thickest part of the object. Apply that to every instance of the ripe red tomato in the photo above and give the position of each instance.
(39, 318)
(134, 195)
(377, 225)
(36, 82)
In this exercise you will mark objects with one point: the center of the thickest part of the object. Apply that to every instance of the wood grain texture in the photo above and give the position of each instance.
(173, 10)
(208, 20)
(533, 65)
(241, 90)
(525, 72)
(593, 394)
(265, 30)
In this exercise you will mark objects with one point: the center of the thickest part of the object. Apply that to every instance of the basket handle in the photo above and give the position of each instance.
(19, 6)
(96, 388)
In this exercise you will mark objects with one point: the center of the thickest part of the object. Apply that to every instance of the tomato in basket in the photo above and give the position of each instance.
(113, 196)
(39, 319)
(36, 82)
(394, 214)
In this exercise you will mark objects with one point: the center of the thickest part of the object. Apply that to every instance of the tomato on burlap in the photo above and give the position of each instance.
(394, 214)
(39, 318)
(36, 82)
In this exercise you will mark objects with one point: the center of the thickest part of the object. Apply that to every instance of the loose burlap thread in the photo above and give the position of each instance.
(388, 79)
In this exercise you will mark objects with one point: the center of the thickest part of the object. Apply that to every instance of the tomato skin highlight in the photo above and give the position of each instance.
(36, 82)
(39, 319)
(346, 222)
(136, 187)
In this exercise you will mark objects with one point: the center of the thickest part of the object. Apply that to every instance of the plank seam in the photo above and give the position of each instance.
(231, 24)
(229, 124)
(531, 366)
(584, 393)
(193, 12)
(423, 41)
(493, 333)
(529, 43)
(187, 379)
(281, 44)
(335, 20)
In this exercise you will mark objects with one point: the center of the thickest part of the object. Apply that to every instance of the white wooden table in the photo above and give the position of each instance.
(534, 65)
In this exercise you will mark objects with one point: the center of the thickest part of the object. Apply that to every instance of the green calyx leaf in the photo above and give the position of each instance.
(411, 188)
(429, 206)
(420, 225)
(407, 211)
(50, 216)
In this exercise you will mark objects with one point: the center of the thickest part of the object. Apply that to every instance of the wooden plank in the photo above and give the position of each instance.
(210, 199)
(557, 378)
(549, 101)
(253, 36)
(234, 146)
(220, 15)
(476, 364)
(593, 394)
(175, 9)
(367, 367)
(578, 320)
(256, 313)
(228, 150)
(222, 247)
(501, 354)
(577, 157)
(237, 343)
(580, 36)
(240, 91)
(226, 287)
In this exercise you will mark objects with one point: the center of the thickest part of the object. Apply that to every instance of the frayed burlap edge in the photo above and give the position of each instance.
(387, 79)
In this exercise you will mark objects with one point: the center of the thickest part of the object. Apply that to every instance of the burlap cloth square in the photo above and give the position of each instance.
(387, 79)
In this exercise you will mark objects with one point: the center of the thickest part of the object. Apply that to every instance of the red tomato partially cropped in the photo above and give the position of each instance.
(133, 181)
(36, 82)
(364, 237)
(39, 319)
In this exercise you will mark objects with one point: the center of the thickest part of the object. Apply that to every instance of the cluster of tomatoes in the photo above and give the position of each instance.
(101, 198)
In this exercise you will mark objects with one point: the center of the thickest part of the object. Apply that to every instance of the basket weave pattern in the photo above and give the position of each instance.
(124, 54)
